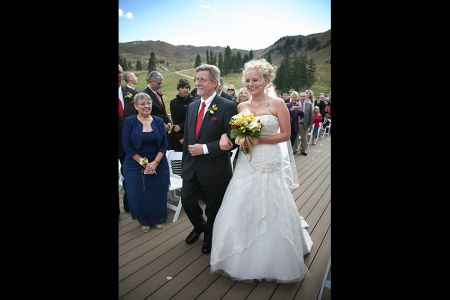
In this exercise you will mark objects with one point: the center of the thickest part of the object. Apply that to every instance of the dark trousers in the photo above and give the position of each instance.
(191, 192)
(125, 200)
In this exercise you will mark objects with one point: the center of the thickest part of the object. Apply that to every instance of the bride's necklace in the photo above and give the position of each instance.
(259, 104)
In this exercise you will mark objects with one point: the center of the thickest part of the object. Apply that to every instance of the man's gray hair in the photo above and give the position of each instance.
(214, 72)
(154, 76)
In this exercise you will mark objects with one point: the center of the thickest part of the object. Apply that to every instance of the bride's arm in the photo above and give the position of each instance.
(284, 121)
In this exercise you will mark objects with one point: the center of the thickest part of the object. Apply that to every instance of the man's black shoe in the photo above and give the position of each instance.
(193, 236)
(206, 248)
(304, 153)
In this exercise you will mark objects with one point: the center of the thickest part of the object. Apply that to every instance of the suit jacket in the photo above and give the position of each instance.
(128, 110)
(157, 109)
(308, 118)
(214, 167)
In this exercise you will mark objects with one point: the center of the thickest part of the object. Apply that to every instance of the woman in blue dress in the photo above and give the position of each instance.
(145, 166)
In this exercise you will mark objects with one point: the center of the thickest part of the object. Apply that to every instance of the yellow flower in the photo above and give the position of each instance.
(212, 109)
(143, 161)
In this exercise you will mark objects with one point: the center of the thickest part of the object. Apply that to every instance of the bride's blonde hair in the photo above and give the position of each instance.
(264, 67)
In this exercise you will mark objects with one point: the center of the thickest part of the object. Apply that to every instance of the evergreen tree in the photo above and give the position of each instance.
(269, 58)
(198, 61)
(138, 65)
(283, 73)
(214, 62)
(246, 58)
(129, 65)
(220, 65)
(310, 73)
(250, 55)
(227, 63)
(125, 64)
(299, 44)
(298, 72)
(152, 62)
(238, 62)
(207, 58)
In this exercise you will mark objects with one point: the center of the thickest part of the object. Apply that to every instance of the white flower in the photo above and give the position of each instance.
(252, 124)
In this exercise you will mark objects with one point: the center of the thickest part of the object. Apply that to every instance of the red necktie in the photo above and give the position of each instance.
(160, 101)
(120, 110)
(199, 119)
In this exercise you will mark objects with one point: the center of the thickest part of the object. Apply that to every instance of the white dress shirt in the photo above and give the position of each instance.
(207, 104)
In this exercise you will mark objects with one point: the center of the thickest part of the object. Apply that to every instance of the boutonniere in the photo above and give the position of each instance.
(212, 109)
(129, 98)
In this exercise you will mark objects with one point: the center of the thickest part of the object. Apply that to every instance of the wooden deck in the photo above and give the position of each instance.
(160, 265)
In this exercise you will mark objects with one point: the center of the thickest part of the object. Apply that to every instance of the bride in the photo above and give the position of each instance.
(258, 233)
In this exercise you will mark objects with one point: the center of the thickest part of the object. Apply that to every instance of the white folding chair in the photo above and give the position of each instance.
(176, 182)
(233, 155)
(120, 179)
(326, 131)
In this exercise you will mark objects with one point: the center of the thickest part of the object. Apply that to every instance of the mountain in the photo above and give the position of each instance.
(316, 46)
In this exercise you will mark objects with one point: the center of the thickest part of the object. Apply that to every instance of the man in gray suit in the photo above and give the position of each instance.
(304, 124)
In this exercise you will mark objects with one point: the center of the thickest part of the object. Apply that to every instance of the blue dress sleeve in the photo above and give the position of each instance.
(126, 137)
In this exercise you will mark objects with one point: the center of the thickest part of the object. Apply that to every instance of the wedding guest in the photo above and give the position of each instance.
(243, 95)
(178, 107)
(304, 123)
(294, 113)
(126, 108)
(317, 119)
(219, 91)
(285, 97)
(231, 91)
(155, 81)
(131, 80)
(145, 166)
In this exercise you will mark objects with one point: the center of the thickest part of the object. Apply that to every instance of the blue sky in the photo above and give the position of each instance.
(243, 24)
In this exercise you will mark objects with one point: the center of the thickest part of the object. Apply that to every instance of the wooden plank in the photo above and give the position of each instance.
(172, 248)
(306, 180)
(197, 285)
(310, 288)
(217, 289)
(288, 291)
(239, 290)
(263, 290)
(181, 279)
(152, 283)
(311, 202)
(321, 206)
(313, 191)
(153, 236)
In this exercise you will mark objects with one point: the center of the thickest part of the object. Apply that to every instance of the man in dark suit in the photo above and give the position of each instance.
(126, 108)
(131, 80)
(155, 80)
(220, 92)
(206, 159)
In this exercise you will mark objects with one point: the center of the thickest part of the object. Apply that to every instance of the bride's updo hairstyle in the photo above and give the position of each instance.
(264, 68)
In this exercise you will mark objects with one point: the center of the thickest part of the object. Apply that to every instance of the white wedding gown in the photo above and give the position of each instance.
(258, 232)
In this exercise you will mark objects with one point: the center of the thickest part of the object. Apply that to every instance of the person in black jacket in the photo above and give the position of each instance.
(178, 107)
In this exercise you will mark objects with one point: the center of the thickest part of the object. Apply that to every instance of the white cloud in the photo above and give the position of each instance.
(128, 15)
(208, 7)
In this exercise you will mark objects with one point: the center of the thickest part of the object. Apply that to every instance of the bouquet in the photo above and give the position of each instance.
(245, 126)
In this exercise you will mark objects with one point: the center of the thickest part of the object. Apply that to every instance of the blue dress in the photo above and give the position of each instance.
(147, 193)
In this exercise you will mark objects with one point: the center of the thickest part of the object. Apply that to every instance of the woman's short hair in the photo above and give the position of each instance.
(264, 67)
(183, 83)
(294, 93)
(139, 97)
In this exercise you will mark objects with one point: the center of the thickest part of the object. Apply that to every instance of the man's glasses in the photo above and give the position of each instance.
(200, 80)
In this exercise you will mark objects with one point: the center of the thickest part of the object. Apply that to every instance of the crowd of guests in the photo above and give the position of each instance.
(145, 137)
